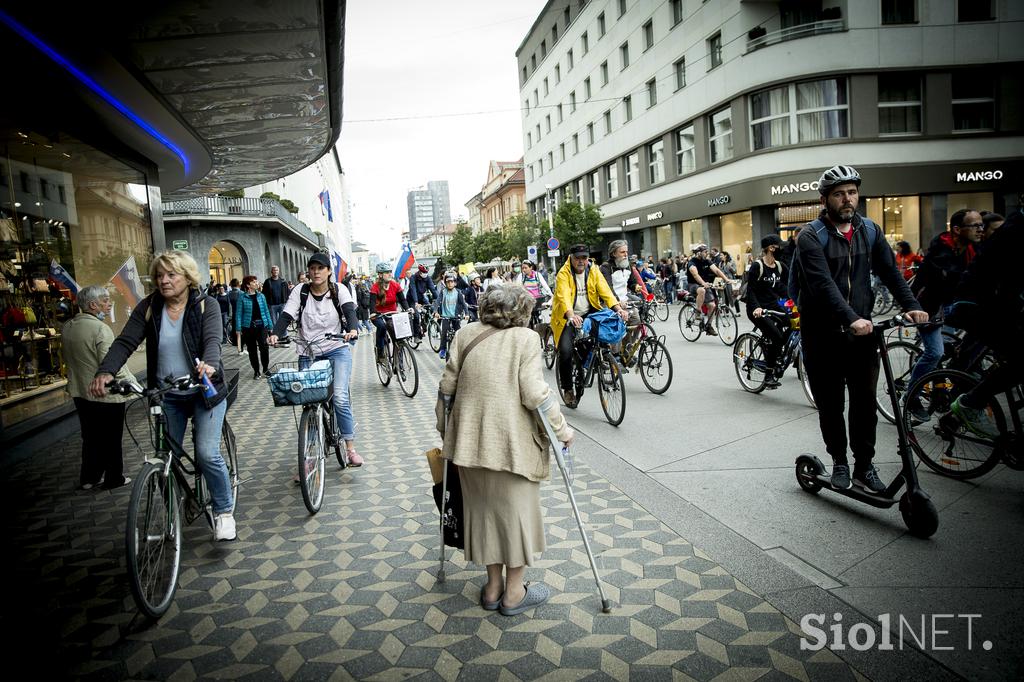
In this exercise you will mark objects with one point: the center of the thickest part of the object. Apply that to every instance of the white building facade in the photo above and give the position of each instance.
(690, 121)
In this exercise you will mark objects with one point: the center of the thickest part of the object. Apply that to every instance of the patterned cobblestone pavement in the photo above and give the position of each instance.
(350, 593)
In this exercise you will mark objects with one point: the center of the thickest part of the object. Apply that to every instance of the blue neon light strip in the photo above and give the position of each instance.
(86, 80)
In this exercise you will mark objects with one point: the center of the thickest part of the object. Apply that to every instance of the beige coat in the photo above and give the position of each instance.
(86, 341)
(493, 421)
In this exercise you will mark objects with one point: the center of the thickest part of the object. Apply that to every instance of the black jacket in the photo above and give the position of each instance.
(765, 286)
(940, 272)
(202, 333)
(835, 285)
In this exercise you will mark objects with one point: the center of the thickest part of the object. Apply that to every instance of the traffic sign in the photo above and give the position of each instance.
(531, 252)
(554, 253)
(180, 244)
(553, 244)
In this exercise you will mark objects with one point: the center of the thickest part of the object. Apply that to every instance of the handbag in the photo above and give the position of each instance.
(450, 507)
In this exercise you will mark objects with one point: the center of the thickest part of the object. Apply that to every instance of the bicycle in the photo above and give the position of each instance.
(449, 335)
(311, 385)
(751, 368)
(592, 357)
(153, 532)
(659, 306)
(653, 362)
(724, 318)
(883, 301)
(422, 318)
(398, 361)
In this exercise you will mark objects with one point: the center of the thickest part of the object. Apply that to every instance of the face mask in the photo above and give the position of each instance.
(516, 269)
(622, 264)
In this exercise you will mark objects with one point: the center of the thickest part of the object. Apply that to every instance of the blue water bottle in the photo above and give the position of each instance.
(209, 390)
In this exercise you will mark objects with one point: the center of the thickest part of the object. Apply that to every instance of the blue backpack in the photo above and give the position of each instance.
(794, 283)
(610, 327)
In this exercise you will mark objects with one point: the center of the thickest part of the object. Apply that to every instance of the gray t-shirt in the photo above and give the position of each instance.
(172, 357)
(581, 306)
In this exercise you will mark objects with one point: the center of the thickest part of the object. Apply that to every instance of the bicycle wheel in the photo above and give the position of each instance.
(661, 311)
(576, 374)
(384, 365)
(434, 334)
(655, 365)
(153, 541)
(805, 382)
(230, 455)
(943, 443)
(726, 324)
(332, 438)
(414, 341)
(548, 348)
(902, 356)
(748, 361)
(408, 373)
(689, 322)
(611, 389)
(311, 461)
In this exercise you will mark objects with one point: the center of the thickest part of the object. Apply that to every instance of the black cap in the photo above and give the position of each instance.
(771, 240)
(579, 250)
(320, 259)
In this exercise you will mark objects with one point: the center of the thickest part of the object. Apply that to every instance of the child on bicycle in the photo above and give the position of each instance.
(449, 307)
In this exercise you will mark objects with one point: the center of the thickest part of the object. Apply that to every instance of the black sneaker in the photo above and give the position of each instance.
(918, 415)
(841, 477)
(869, 481)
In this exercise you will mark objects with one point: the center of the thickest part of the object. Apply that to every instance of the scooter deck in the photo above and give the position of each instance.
(882, 500)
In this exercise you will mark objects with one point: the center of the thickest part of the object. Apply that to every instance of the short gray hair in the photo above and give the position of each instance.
(617, 244)
(91, 294)
(506, 306)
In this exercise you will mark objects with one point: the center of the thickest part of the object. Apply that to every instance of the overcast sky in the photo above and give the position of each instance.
(422, 62)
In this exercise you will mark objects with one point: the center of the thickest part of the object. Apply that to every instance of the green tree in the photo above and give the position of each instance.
(490, 245)
(461, 245)
(521, 231)
(577, 224)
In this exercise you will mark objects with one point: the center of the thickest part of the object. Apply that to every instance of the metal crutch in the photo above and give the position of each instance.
(606, 606)
(444, 490)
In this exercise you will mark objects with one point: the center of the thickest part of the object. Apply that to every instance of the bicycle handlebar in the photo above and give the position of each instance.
(125, 387)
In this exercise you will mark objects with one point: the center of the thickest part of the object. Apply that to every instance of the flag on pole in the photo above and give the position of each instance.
(406, 260)
(340, 267)
(128, 283)
(62, 279)
(325, 205)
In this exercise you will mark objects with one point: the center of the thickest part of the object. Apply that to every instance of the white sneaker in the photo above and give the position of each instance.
(224, 527)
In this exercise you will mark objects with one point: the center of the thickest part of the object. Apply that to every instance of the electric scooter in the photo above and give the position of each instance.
(919, 513)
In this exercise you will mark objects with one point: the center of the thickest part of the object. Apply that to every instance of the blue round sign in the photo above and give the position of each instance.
(552, 243)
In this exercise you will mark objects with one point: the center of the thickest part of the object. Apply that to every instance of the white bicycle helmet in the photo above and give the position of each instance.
(838, 175)
(384, 266)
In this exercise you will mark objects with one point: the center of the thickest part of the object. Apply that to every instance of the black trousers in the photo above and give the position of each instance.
(256, 338)
(102, 428)
(446, 324)
(565, 351)
(838, 364)
(774, 336)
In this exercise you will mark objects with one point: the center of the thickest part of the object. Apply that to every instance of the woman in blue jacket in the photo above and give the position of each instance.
(252, 319)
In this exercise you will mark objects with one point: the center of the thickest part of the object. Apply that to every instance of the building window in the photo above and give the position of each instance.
(595, 187)
(656, 162)
(533, 63)
(572, 101)
(536, 98)
(558, 74)
(545, 86)
(685, 158)
(720, 135)
(44, 188)
(607, 122)
(648, 34)
(622, 7)
(529, 140)
(537, 136)
(558, 112)
(554, 34)
(627, 107)
(899, 104)
(524, 74)
(611, 187)
(575, 143)
(547, 123)
(26, 182)
(899, 11)
(816, 110)
(679, 68)
(543, 49)
(975, 10)
(551, 161)
(632, 172)
(561, 153)
(529, 173)
(652, 92)
(604, 73)
(586, 88)
(60, 193)
(677, 11)
(600, 25)
(585, 43)
(566, 17)
(569, 59)
(974, 101)
(590, 134)
(526, 106)
(577, 191)
(714, 51)
(624, 54)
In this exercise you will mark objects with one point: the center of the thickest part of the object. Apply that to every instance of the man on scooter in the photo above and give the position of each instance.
(831, 282)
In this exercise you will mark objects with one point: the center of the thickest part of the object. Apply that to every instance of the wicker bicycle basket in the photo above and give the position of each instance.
(290, 385)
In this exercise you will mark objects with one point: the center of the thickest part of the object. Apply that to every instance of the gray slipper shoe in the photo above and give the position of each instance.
(536, 594)
(489, 605)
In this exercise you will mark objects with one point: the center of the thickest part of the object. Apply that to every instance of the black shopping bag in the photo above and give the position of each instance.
(451, 513)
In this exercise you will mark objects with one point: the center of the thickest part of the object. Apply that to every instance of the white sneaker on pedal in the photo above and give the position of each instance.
(224, 527)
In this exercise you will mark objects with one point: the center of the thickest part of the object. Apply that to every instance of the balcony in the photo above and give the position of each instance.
(241, 208)
(794, 32)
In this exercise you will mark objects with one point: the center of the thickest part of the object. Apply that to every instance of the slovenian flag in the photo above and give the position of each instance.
(62, 278)
(325, 205)
(340, 267)
(128, 283)
(406, 260)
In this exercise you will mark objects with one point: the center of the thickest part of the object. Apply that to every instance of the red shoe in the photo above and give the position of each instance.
(354, 460)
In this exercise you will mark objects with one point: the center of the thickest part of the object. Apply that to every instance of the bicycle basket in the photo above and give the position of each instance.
(231, 383)
(290, 385)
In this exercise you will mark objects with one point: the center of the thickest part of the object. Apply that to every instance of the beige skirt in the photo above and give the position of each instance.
(503, 519)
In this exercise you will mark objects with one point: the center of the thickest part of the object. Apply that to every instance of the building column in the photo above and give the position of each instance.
(677, 238)
(934, 209)
(762, 219)
(711, 230)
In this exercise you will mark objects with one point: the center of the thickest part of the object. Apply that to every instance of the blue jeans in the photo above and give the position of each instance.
(932, 349)
(446, 324)
(341, 359)
(383, 329)
(224, 323)
(275, 312)
(207, 425)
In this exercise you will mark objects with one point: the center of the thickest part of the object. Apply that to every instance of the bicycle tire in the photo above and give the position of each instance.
(152, 570)
(748, 362)
(548, 349)
(654, 362)
(404, 360)
(727, 325)
(611, 389)
(903, 356)
(689, 322)
(805, 382)
(413, 341)
(331, 429)
(941, 442)
(577, 392)
(384, 371)
(434, 334)
(230, 454)
(311, 461)
(661, 311)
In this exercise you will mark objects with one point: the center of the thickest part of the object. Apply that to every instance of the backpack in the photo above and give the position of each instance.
(745, 283)
(304, 296)
(794, 284)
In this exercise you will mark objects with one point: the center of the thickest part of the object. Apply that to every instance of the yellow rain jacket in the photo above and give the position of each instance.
(598, 293)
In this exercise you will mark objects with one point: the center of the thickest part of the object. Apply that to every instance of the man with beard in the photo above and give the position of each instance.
(832, 266)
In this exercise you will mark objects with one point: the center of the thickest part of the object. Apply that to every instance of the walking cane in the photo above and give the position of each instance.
(606, 606)
(444, 489)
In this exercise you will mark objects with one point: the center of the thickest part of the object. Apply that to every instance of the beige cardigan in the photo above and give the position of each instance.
(493, 424)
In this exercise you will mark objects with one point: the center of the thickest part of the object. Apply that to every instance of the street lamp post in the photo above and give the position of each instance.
(551, 220)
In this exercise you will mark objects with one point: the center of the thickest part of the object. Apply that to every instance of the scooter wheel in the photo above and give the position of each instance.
(807, 471)
(920, 515)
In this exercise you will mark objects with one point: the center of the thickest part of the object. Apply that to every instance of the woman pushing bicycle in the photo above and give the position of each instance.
(322, 307)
